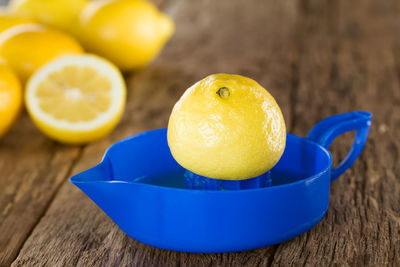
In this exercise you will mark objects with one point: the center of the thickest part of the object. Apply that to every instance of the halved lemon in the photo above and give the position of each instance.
(76, 99)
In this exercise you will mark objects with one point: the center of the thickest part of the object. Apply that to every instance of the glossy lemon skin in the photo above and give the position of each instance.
(26, 47)
(10, 99)
(235, 136)
(129, 33)
(7, 21)
(62, 14)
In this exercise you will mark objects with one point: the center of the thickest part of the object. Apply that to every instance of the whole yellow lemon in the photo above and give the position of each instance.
(7, 21)
(10, 98)
(61, 14)
(26, 47)
(129, 33)
(227, 127)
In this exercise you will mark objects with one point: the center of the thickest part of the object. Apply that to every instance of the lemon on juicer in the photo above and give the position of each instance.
(26, 47)
(10, 98)
(128, 33)
(227, 127)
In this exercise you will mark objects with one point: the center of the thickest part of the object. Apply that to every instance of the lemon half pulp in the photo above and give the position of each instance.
(76, 99)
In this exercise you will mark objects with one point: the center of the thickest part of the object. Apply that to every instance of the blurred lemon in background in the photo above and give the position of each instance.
(10, 98)
(130, 33)
(57, 13)
(7, 21)
(76, 99)
(227, 127)
(26, 47)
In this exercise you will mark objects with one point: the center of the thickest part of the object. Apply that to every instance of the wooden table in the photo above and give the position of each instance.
(318, 58)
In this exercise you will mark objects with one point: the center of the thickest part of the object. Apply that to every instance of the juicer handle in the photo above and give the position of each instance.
(328, 129)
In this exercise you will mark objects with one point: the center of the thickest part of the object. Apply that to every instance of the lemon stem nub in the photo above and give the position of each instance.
(223, 92)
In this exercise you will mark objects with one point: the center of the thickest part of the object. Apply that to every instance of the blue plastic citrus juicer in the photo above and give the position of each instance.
(142, 188)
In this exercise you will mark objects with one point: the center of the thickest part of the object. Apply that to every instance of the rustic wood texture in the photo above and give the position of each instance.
(317, 58)
(32, 168)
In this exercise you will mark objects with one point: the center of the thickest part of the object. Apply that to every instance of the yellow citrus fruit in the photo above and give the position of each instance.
(129, 33)
(26, 47)
(227, 127)
(7, 21)
(76, 99)
(61, 14)
(10, 98)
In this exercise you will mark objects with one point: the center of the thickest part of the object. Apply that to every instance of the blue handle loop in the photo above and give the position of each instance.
(328, 129)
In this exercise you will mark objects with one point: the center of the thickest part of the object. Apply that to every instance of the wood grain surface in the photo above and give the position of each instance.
(317, 58)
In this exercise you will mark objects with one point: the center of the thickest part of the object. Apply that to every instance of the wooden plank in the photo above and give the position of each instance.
(74, 231)
(32, 168)
(348, 63)
(327, 57)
